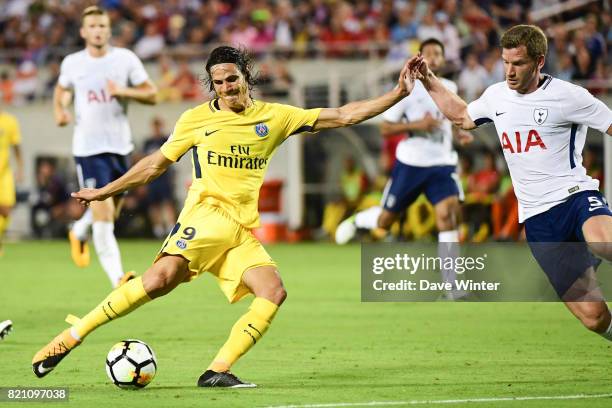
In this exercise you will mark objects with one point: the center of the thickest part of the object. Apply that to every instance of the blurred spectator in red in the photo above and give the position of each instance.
(186, 82)
(26, 83)
(482, 186)
(6, 87)
(504, 212)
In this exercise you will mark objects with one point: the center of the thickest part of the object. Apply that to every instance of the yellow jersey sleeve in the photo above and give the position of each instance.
(182, 138)
(297, 120)
(14, 132)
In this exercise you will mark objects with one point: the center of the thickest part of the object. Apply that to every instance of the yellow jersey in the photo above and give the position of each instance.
(231, 152)
(9, 136)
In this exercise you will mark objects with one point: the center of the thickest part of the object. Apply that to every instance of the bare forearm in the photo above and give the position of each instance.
(388, 128)
(60, 100)
(357, 112)
(143, 172)
(451, 105)
(147, 96)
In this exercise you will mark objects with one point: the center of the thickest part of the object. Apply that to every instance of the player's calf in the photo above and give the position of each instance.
(595, 316)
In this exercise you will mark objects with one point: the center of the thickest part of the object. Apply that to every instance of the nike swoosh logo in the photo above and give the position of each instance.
(500, 113)
(42, 369)
(210, 132)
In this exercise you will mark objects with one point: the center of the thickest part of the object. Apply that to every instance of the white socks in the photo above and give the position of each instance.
(448, 247)
(368, 219)
(81, 226)
(107, 249)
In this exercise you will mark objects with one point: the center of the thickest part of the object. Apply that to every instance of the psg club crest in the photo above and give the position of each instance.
(261, 129)
(540, 115)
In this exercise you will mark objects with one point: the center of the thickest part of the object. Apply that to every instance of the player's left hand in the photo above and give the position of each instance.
(464, 137)
(114, 89)
(87, 195)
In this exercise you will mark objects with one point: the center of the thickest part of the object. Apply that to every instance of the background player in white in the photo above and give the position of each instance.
(425, 163)
(103, 79)
(542, 123)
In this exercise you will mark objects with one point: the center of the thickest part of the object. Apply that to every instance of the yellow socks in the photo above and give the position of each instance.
(120, 302)
(4, 222)
(245, 333)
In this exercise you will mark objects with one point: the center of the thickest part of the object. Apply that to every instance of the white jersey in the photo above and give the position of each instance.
(542, 135)
(101, 124)
(423, 149)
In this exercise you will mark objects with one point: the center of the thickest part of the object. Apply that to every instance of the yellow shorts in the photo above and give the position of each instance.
(213, 242)
(7, 189)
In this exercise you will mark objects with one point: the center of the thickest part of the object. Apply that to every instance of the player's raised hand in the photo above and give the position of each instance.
(87, 195)
(114, 89)
(406, 78)
(418, 67)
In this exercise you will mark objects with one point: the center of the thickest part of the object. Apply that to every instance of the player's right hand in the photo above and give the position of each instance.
(430, 123)
(62, 117)
(87, 195)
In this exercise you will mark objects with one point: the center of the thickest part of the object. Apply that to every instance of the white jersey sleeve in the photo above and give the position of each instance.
(397, 112)
(137, 73)
(583, 108)
(65, 79)
(480, 109)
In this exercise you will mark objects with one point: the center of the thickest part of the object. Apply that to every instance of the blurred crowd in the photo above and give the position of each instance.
(36, 33)
(489, 207)
(148, 211)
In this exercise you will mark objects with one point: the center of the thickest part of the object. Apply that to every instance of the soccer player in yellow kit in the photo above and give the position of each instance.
(9, 136)
(231, 140)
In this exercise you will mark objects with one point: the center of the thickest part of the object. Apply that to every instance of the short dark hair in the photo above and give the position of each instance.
(239, 56)
(431, 41)
(532, 37)
(92, 11)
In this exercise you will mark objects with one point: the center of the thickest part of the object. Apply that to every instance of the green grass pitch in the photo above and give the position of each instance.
(325, 346)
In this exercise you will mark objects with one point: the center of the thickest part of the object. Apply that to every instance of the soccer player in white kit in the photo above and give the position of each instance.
(425, 163)
(542, 123)
(103, 79)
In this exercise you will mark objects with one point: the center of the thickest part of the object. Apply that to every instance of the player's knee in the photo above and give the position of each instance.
(596, 320)
(275, 294)
(447, 216)
(160, 280)
(386, 219)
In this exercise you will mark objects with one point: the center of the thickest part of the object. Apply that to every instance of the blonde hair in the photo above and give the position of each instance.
(92, 11)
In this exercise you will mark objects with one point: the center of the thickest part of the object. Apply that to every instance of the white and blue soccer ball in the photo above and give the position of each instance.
(131, 364)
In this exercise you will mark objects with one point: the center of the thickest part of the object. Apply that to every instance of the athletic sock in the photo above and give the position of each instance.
(4, 222)
(608, 333)
(245, 333)
(108, 250)
(119, 302)
(368, 219)
(81, 226)
(448, 247)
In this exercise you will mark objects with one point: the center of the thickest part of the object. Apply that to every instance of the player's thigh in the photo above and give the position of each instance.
(249, 254)
(202, 235)
(448, 212)
(403, 187)
(597, 233)
(103, 210)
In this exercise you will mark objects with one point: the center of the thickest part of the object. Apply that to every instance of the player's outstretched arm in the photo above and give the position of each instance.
(451, 105)
(356, 112)
(145, 93)
(61, 100)
(143, 172)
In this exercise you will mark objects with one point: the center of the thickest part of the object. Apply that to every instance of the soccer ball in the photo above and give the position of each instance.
(131, 364)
